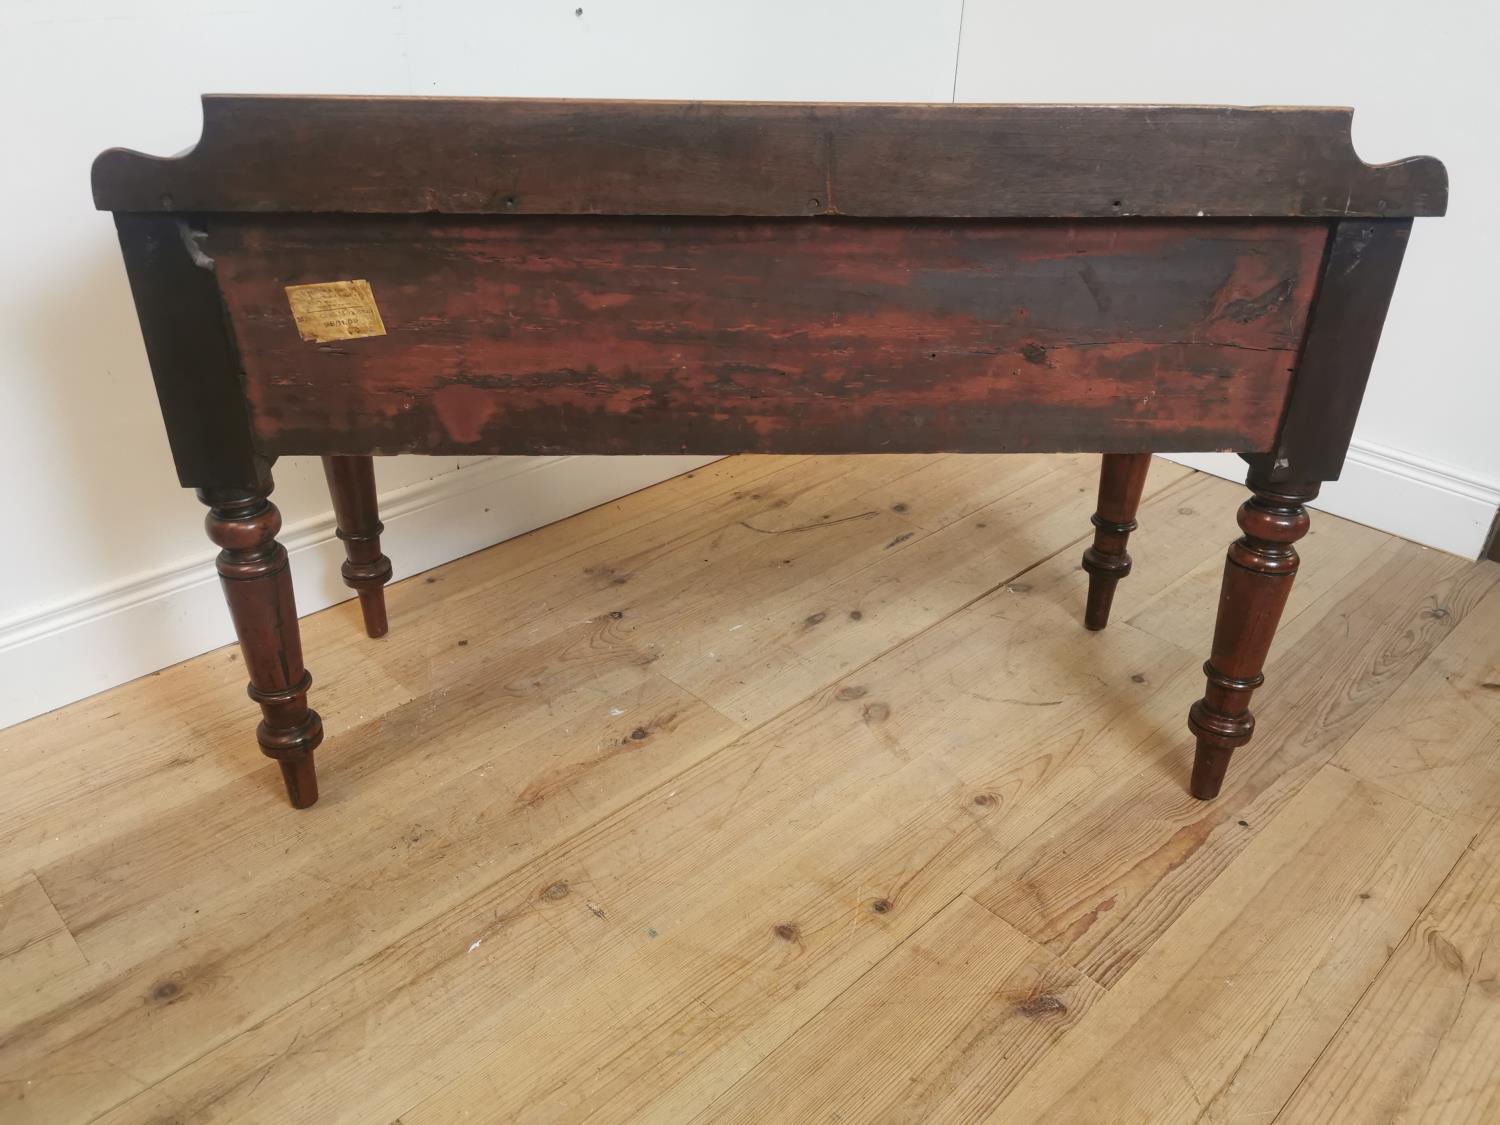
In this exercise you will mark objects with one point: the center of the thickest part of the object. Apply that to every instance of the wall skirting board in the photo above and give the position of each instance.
(154, 620)
(1386, 488)
(150, 621)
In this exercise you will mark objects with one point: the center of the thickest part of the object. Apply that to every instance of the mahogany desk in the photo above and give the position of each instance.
(357, 276)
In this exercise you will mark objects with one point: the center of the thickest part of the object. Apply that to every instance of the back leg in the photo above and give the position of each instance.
(1122, 478)
(351, 480)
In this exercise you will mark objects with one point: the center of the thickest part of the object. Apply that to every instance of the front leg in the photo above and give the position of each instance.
(257, 581)
(1257, 579)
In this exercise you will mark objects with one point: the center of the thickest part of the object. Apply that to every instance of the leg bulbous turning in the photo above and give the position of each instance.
(351, 482)
(257, 581)
(1258, 575)
(1122, 479)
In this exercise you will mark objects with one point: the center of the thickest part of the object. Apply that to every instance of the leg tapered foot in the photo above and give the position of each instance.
(1122, 478)
(301, 780)
(1210, 764)
(351, 481)
(257, 585)
(1257, 580)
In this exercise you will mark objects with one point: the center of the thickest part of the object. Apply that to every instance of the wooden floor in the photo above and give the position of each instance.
(788, 791)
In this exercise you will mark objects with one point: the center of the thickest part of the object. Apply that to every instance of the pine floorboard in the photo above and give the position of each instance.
(791, 789)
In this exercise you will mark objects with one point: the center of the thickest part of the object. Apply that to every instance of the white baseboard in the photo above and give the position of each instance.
(152, 620)
(1409, 496)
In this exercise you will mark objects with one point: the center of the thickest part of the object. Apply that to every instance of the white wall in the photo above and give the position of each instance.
(105, 573)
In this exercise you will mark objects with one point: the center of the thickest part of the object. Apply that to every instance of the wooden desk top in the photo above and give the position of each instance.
(528, 157)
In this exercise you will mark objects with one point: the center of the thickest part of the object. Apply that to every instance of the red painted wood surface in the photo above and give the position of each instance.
(576, 335)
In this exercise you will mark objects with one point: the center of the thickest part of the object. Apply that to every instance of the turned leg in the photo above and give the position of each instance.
(1257, 579)
(351, 480)
(1121, 481)
(258, 587)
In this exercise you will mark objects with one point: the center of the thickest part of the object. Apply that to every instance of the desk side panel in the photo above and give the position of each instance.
(551, 336)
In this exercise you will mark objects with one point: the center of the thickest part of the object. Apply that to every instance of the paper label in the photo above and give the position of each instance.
(334, 310)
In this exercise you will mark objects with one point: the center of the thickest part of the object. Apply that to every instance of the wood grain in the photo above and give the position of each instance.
(1256, 972)
(1434, 741)
(1421, 1043)
(35, 944)
(941, 1027)
(553, 336)
(774, 947)
(515, 156)
(600, 893)
(1101, 901)
(730, 823)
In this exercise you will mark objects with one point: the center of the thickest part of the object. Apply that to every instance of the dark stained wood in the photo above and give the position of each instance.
(1122, 479)
(193, 358)
(629, 277)
(1258, 575)
(1492, 543)
(552, 336)
(1343, 330)
(351, 483)
(257, 583)
(499, 156)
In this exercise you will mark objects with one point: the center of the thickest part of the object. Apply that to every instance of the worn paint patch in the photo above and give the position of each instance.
(334, 310)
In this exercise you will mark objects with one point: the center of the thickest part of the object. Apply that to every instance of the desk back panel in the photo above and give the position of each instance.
(537, 335)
